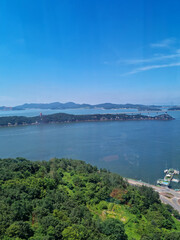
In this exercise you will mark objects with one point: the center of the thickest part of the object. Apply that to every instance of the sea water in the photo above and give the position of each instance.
(134, 149)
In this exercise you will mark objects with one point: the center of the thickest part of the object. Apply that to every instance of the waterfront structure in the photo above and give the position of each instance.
(168, 177)
(163, 182)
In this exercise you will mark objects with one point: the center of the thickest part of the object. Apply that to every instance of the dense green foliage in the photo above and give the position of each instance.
(64, 117)
(68, 199)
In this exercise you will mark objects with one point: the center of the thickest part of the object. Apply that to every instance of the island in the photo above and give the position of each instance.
(70, 118)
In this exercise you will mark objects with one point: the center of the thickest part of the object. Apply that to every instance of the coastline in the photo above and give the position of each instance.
(167, 195)
(13, 121)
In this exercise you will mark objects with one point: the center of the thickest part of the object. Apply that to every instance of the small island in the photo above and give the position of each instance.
(70, 118)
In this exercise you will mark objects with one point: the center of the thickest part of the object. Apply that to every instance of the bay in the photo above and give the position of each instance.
(134, 149)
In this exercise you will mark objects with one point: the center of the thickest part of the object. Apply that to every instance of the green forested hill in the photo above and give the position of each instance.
(70, 118)
(69, 199)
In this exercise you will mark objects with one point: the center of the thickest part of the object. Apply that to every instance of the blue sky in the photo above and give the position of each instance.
(89, 51)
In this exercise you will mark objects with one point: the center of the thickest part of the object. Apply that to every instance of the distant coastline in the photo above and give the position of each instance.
(174, 109)
(70, 118)
(72, 105)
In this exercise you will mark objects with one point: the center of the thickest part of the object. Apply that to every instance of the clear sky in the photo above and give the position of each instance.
(90, 51)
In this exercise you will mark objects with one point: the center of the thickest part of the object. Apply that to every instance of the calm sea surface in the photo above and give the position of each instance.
(135, 149)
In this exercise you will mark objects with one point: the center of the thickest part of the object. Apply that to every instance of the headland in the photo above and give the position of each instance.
(70, 118)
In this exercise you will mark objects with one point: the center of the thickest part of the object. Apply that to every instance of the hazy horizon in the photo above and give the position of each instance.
(163, 104)
(90, 51)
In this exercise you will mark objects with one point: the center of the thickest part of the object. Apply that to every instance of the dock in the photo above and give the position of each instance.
(169, 177)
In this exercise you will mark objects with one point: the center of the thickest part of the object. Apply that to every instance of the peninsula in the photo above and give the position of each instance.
(70, 118)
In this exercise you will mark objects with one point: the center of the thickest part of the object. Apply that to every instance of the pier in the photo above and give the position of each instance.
(169, 177)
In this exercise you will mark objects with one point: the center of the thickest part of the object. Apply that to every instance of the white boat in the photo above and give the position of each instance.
(175, 180)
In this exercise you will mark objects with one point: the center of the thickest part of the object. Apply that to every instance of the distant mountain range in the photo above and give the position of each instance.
(72, 105)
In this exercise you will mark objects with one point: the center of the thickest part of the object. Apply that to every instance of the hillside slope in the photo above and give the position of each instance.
(69, 199)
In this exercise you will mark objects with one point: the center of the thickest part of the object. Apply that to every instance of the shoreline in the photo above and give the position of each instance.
(13, 121)
(86, 121)
(167, 195)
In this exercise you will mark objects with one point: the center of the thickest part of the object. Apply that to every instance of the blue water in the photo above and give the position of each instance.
(36, 112)
(135, 149)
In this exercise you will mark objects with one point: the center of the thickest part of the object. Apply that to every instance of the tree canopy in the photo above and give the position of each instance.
(69, 199)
